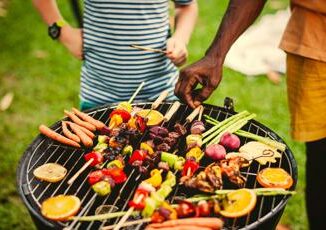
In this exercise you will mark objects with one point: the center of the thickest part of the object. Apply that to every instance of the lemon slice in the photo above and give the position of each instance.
(50, 172)
(153, 117)
(60, 207)
(239, 203)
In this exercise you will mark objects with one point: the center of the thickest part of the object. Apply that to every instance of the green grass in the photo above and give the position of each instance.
(43, 87)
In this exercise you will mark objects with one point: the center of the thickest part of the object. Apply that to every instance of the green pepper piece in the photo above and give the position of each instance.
(127, 150)
(170, 180)
(100, 147)
(178, 165)
(169, 158)
(102, 188)
(150, 206)
(164, 191)
(102, 139)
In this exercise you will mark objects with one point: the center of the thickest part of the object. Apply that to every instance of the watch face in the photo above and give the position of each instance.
(54, 31)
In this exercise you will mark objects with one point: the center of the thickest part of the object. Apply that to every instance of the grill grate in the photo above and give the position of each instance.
(44, 150)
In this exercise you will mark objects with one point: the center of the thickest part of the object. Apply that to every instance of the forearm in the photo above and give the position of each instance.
(185, 20)
(48, 10)
(239, 15)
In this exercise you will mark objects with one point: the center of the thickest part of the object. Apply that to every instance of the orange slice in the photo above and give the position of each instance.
(153, 118)
(50, 172)
(274, 178)
(239, 203)
(60, 207)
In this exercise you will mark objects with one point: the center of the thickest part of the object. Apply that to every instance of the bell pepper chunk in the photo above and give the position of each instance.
(96, 156)
(190, 168)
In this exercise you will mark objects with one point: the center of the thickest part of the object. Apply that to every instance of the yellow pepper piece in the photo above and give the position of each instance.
(115, 121)
(132, 123)
(173, 214)
(195, 153)
(116, 163)
(125, 106)
(147, 147)
(156, 178)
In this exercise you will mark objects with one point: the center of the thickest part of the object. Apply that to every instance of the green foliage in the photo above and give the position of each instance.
(45, 80)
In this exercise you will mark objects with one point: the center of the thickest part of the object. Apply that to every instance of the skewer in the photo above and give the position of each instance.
(145, 48)
(198, 111)
(130, 210)
(80, 171)
(171, 111)
(136, 92)
(158, 101)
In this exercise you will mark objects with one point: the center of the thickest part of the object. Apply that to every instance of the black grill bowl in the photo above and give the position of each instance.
(266, 214)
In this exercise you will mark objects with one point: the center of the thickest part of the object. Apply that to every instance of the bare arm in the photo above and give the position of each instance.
(239, 15)
(70, 37)
(185, 20)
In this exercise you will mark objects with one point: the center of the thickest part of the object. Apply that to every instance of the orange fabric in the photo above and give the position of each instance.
(306, 85)
(305, 34)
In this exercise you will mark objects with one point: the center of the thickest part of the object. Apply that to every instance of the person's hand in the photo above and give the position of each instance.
(176, 51)
(207, 72)
(72, 39)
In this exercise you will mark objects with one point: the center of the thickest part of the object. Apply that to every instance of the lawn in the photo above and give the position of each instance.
(45, 80)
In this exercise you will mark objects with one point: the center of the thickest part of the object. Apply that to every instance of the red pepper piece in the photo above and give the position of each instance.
(141, 123)
(123, 113)
(138, 155)
(95, 177)
(192, 166)
(97, 158)
(117, 174)
(135, 202)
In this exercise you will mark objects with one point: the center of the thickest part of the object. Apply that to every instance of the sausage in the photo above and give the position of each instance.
(86, 131)
(79, 122)
(202, 222)
(98, 124)
(69, 134)
(181, 227)
(56, 136)
(86, 140)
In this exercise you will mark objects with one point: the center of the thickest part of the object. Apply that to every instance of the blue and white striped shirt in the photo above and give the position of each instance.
(112, 70)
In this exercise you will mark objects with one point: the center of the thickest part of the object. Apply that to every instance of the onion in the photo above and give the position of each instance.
(215, 152)
(230, 141)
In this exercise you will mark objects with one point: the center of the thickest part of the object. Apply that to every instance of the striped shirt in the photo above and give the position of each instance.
(112, 69)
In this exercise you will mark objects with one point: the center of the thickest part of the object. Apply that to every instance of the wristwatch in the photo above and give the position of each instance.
(55, 29)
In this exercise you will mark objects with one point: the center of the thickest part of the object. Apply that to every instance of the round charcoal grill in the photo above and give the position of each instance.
(43, 150)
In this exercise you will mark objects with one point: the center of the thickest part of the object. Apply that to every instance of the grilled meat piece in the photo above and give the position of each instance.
(197, 127)
(180, 129)
(231, 169)
(163, 147)
(208, 180)
(174, 135)
(164, 166)
(170, 141)
(159, 130)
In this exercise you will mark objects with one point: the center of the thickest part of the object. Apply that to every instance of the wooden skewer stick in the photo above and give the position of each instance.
(136, 92)
(128, 213)
(149, 49)
(130, 210)
(80, 171)
(129, 223)
(158, 101)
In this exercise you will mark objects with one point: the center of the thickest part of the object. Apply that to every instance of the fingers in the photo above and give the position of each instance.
(184, 88)
(176, 51)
